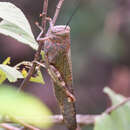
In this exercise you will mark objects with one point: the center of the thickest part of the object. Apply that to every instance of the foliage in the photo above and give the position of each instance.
(21, 107)
(8, 72)
(30, 110)
(36, 77)
(119, 119)
(16, 25)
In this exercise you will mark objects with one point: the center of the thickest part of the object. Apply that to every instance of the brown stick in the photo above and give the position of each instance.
(56, 119)
(45, 7)
(8, 127)
(37, 55)
(88, 119)
(27, 125)
(81, 119)
(58, 7)
(112, 108)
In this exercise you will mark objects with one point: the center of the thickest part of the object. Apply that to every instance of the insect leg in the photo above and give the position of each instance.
(55, 75)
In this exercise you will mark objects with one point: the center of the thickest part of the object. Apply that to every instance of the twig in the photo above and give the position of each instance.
(58, 7)
(81, 119)
(112, 108)
(88, 119)
(45, 7)
(56, 119)
(37, 55)
(8, 127)
(27, 125)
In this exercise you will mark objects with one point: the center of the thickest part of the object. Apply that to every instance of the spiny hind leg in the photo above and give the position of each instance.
(56, 77)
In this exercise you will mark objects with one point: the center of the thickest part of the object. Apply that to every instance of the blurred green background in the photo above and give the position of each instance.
(100, 43)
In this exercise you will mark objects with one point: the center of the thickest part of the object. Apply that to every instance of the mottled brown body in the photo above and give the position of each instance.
(57, 51)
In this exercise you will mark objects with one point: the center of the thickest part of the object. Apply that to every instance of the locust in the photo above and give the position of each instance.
(58, 63)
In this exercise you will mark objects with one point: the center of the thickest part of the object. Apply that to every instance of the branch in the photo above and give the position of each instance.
(8, 127)
(37, 55)
(44, 12)
(56, 119)
(88, 119)
(26, 125)
(58, 7)
(81, 119)
(112, 108)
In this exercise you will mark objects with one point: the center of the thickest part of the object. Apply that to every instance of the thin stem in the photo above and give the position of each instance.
(58, 7)
(37, 55)
(81, 119)
(8, 127)
(45, 7)
(27, 125)
(56, 119)
(112, 108)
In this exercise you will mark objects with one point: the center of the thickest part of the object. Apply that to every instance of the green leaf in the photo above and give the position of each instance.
(104, 122)
(119, 119)
(11, 13)
(14, 31)
(2, 76)
(11, 73)
(16, 25)
(21, 107)
(24, 67)
(38, 78)
(6, 61)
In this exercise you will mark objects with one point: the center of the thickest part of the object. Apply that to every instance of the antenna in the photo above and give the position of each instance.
(75, 10)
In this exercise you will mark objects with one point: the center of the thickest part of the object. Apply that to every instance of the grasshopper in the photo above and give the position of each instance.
(58, 63)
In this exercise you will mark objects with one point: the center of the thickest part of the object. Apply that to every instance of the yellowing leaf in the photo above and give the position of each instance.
(2, 76)
(24, 73)
(24, 67)
(7, 61)
(38, 78)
